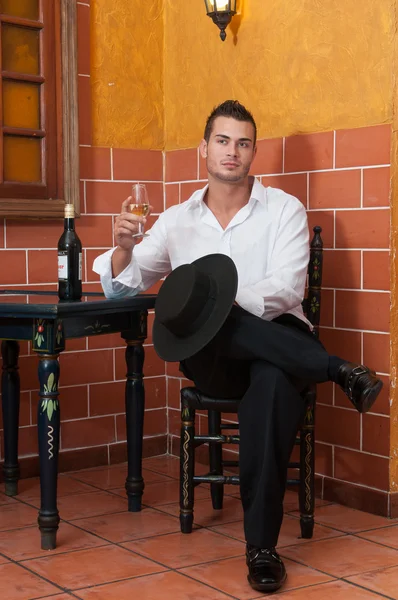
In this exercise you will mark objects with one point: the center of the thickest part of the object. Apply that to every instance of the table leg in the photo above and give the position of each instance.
(135, 406)
(48, 419)
(10, 400)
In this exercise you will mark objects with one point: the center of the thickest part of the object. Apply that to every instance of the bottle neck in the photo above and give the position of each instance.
(69, 224)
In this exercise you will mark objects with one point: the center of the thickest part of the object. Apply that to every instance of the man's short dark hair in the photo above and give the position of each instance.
(232, 109)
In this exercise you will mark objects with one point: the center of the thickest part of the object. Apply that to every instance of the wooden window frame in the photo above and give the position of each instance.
(67, 139)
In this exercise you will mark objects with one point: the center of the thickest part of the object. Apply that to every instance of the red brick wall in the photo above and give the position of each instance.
(343, 179)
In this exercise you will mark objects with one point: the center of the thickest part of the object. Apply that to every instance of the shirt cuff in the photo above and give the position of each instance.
(250, 301)
(126, 283)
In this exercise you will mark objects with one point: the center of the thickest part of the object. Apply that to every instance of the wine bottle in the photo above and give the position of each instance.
(69, 259)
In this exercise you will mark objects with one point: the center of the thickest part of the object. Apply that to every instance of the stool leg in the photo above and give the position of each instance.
(187, 461)
(215, 459)
(307, 474)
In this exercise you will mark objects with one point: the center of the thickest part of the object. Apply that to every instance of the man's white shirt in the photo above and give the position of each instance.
(268, 240)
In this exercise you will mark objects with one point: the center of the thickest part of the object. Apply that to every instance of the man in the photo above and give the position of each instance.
(265, 351)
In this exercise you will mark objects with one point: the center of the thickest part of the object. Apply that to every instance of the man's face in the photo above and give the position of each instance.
(230, 150)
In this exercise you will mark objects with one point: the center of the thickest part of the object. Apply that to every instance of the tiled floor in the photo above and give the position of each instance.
(106, 553)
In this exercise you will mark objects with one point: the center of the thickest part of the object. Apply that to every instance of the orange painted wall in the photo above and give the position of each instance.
(305, 66)
(127, 73)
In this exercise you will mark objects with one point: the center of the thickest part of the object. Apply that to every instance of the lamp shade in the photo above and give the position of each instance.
(221, 12)
(220, 6)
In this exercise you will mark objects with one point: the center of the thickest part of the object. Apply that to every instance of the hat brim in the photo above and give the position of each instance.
(174, 348)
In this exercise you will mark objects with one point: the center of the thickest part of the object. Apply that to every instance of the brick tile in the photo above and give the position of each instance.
(27, 441)
(75, 344)
(95, 163)
(95, 230)
(363, 229)
(341, 269)
(73, 402)
(327, 308)
(86, 367)
(155, 423)
(89, 256)
(309, 152)
(173, 392)
(376, 270)
(24, 410)
(155, 195)
(34, 234)
(365, 469)
(324, 219)
(376, 186)
(335, 189)
(172, 192)
(153, 365)
(172, 369)
(187, 189)
(42, 266)
(106, 196)
(137, 165)
(269, 157)
(363, 310)
(346, 344)
(324, 459)
(376, 434)
(109, 340)
(174, 422)
(2, 221)
(13, 267)
(203, 174)
(109, 398)
(83, 39)
(338, 426)
(295, 184)
(181, 165)
(88, 432)
(85, 114)
(363, 146)
(325, 392)
(376, 351)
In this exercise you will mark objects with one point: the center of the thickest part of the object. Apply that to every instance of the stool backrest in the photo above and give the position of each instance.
(312, 303)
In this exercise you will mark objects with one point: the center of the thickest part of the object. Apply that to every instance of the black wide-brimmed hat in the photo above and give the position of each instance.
(192, 305)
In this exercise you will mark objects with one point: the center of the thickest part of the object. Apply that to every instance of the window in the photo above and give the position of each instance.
(38, 80)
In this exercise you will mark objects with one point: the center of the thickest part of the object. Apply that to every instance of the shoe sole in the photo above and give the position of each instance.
(266, 587)
(369, 399)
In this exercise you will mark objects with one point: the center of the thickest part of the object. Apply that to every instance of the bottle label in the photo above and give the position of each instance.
(62, 266)
(80, 266)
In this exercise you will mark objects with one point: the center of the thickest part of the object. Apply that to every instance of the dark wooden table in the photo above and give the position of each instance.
(47, 325)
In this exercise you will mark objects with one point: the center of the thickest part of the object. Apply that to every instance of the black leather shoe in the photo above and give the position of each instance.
(267, 572)
(360, 384)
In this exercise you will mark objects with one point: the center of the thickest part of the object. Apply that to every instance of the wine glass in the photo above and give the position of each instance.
(139, 206)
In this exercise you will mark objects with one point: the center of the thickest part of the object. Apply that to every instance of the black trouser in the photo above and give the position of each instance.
(267, 364)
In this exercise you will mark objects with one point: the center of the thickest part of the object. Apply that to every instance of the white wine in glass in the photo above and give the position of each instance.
(139, 205)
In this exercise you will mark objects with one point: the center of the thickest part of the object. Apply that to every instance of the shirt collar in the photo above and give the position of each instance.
(259, 194)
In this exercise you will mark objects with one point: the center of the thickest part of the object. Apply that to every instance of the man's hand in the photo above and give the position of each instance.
(126, 225)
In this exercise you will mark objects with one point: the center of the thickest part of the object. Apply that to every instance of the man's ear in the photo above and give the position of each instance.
(203, 148)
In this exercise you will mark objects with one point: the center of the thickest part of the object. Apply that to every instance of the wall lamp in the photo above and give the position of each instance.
(221, 11)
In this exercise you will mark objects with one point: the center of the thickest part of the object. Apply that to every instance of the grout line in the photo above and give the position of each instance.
(359, 290)
(362, 188)
(344, 329)
(334, 149)
(27, 266)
